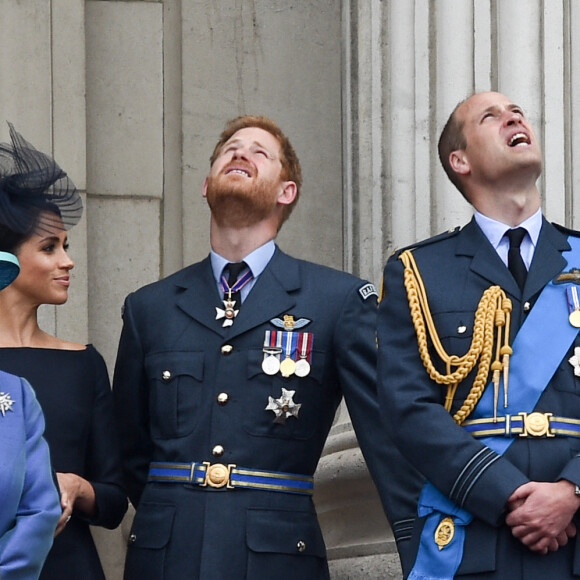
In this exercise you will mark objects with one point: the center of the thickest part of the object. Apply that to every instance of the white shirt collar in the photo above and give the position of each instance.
(495, 231)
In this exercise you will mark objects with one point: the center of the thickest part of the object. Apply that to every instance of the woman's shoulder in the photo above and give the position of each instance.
(61, 344)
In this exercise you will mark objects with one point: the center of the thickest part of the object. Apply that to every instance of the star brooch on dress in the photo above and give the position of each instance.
(5, 403)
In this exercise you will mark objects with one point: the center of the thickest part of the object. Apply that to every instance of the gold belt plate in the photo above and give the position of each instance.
(218, 475)
(536, 424)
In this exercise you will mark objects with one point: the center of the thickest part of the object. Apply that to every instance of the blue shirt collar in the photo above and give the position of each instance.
(495, 230)
(256, 260)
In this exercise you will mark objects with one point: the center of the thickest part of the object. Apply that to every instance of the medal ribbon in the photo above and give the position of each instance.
(240, 283)
(529, 352)
(306, 340)
(573, 302)
(272, 342)
(289, 344)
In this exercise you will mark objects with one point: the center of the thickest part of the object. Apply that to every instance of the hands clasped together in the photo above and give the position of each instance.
(540, 514)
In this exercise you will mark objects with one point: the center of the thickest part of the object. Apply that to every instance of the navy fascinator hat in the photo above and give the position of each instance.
(35, 193)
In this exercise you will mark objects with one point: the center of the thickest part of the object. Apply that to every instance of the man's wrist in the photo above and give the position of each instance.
(575, 488)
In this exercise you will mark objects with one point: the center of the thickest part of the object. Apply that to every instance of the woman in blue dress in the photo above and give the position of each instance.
(29, 508)
(37, 203)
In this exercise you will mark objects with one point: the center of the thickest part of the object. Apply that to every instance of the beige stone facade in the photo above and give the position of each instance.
(130, 96)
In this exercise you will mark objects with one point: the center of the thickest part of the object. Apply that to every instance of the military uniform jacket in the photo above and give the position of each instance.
(175, 359)
(456, 269)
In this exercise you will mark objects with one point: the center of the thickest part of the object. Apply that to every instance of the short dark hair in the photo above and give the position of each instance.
(452, 139)
(291, 170)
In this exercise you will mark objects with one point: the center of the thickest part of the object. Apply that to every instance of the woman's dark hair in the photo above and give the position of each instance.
(10, 241)
(40, 220)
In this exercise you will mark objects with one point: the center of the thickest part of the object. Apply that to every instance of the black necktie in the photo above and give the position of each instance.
(234, 269)
(515, 262)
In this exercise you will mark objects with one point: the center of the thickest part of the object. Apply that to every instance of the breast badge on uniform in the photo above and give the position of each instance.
(288, 323)
(575, 361)
(572, 276)
(6, 403)
(284, 407)
(286, 351)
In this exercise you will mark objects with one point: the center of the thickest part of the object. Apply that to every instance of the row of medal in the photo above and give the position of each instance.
(573, 306)
(289, 353)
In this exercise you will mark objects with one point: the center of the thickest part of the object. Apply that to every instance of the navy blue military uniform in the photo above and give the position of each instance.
(188, 389)
(456, 269)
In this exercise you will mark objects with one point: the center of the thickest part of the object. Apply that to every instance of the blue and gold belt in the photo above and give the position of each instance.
(218, 475)
(524, 425)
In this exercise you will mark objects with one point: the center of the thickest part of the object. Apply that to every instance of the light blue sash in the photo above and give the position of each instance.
(548, 319)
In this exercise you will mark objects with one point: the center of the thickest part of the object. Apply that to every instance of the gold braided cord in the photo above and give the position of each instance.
(491, 323)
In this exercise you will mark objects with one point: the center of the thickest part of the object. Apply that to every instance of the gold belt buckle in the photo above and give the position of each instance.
(536, 424)
(217, 475)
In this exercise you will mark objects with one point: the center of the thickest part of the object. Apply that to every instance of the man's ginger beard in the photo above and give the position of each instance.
(240, 204)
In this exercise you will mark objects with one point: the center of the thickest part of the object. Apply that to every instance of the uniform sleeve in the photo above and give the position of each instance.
(356, 357)
(103, 468)
(24, 547)
(462, 468)
(132, 407)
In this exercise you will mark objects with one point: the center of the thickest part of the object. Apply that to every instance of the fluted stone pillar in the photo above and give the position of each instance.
(359, 541)
(130, 97)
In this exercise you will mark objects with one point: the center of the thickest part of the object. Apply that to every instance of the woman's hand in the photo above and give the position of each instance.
(76, 493)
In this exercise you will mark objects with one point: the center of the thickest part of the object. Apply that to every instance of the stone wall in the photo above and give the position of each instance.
(130, 97)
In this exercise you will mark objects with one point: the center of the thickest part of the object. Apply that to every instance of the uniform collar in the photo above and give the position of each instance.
(256, 260)
(495, 230)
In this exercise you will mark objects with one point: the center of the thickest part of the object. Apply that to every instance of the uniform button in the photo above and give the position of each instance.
(166, 375)
(527, 306)
(222, 398)
(132, 539)
(227, 349)
(217, 451)
(461, 329)
(301, 545)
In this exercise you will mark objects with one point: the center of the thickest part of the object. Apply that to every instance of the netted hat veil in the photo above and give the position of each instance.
(31, 182)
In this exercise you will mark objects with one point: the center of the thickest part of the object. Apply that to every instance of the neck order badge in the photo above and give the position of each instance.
(231, 289)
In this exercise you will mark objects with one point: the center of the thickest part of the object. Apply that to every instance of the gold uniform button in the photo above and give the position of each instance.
(527, 306)
(222, 398)
(166, 375)
(301, 545)
(227, 349)
(132, 539)
(217, 451)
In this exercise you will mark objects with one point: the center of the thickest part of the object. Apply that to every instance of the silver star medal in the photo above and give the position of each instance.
(5, 403)
(283, 407)
(575, 361)
(228, 313)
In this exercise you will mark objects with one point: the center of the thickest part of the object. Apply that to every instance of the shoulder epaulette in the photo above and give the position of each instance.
(567, 231)
(428, 241)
